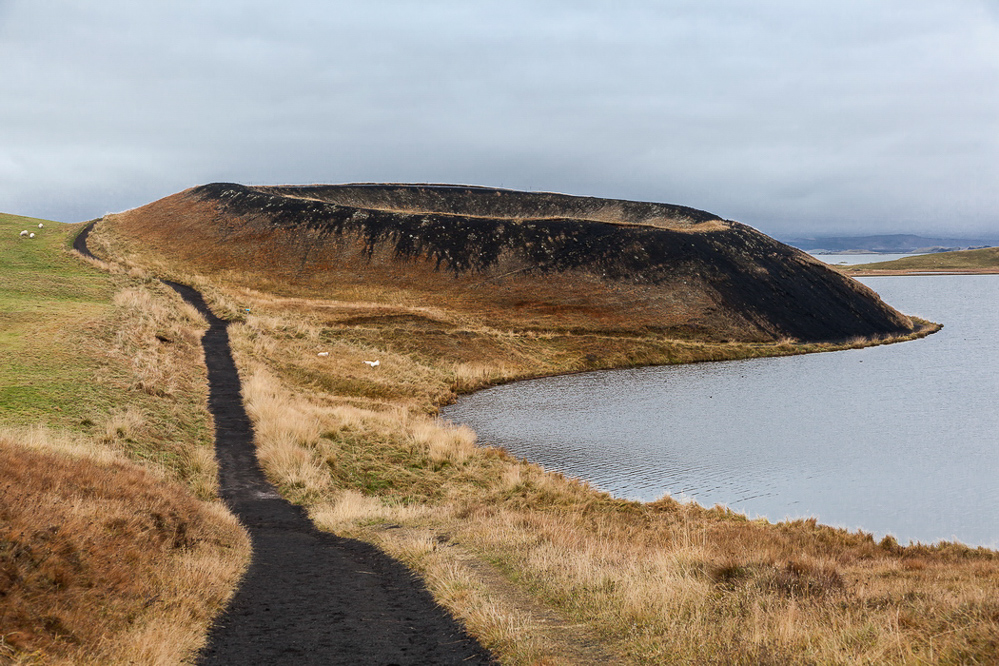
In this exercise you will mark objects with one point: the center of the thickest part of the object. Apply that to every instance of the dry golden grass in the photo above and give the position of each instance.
(151, 351)
(103, 562)
(545, 569)
(288, 436)
(444, 442)
(509, 629)
(113, 546)
(678, 584)
(652, 584)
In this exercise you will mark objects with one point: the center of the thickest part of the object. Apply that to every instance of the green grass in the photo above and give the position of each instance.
(73, 359)
(47, 298)
(984, 259)
(82, 375)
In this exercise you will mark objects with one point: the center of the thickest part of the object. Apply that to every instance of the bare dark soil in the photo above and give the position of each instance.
(80, 242)
(309, 597)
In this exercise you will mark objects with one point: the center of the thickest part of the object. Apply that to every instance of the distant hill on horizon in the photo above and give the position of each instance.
(887, 243)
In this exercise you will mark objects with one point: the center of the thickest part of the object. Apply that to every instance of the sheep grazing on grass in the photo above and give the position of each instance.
(31, 235)
(24, 233)
(40, 225)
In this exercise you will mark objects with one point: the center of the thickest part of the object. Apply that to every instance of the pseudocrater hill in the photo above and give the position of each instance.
(518, 260)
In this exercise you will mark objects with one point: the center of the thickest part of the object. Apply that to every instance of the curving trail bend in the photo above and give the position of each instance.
(308, 597)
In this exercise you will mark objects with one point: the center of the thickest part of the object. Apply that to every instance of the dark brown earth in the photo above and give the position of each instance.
(308, 597)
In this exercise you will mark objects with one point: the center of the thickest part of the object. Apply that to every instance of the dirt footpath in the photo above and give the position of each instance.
(308, 597)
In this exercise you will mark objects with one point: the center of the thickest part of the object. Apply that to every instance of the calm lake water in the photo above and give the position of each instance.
(901, 439)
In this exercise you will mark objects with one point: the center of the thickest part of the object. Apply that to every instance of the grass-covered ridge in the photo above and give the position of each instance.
(982, 260)
(111, 548)
(542, 568)
(41, 289)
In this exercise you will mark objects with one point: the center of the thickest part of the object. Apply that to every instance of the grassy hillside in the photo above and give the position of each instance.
(541, 568)
(111, 548)
(39, 373)
(984, 260)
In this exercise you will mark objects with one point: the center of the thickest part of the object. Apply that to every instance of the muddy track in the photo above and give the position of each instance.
(308, 597)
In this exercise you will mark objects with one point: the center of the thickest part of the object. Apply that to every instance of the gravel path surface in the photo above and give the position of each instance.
(308, 597)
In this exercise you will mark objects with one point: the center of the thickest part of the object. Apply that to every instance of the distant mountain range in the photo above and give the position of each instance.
(887, 243)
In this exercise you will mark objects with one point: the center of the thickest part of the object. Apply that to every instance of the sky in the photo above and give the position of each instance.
(798, 118)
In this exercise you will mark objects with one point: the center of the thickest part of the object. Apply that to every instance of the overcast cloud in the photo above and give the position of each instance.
(817, 117)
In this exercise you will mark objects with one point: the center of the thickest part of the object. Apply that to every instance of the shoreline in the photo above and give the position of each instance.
(923, 329)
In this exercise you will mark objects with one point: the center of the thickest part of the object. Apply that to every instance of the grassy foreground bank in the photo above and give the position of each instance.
(112, 547)
(544, 569)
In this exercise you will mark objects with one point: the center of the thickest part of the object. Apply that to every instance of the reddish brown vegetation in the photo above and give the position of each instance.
(85, 549)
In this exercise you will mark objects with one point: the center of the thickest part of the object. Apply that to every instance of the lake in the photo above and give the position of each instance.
(901, 439)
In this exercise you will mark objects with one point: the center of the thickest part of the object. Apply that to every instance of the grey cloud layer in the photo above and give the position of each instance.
(839, 116)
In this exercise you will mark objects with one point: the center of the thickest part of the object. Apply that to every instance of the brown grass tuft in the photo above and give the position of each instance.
(288, 436)
(81, 535)
(444, 442)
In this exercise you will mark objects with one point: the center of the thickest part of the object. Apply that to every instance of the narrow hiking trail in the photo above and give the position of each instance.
(308, 597)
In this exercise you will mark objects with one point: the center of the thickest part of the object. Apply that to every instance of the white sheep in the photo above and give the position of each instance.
(373, 364)
(40, 225)
(31, 235)
(24, 233)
